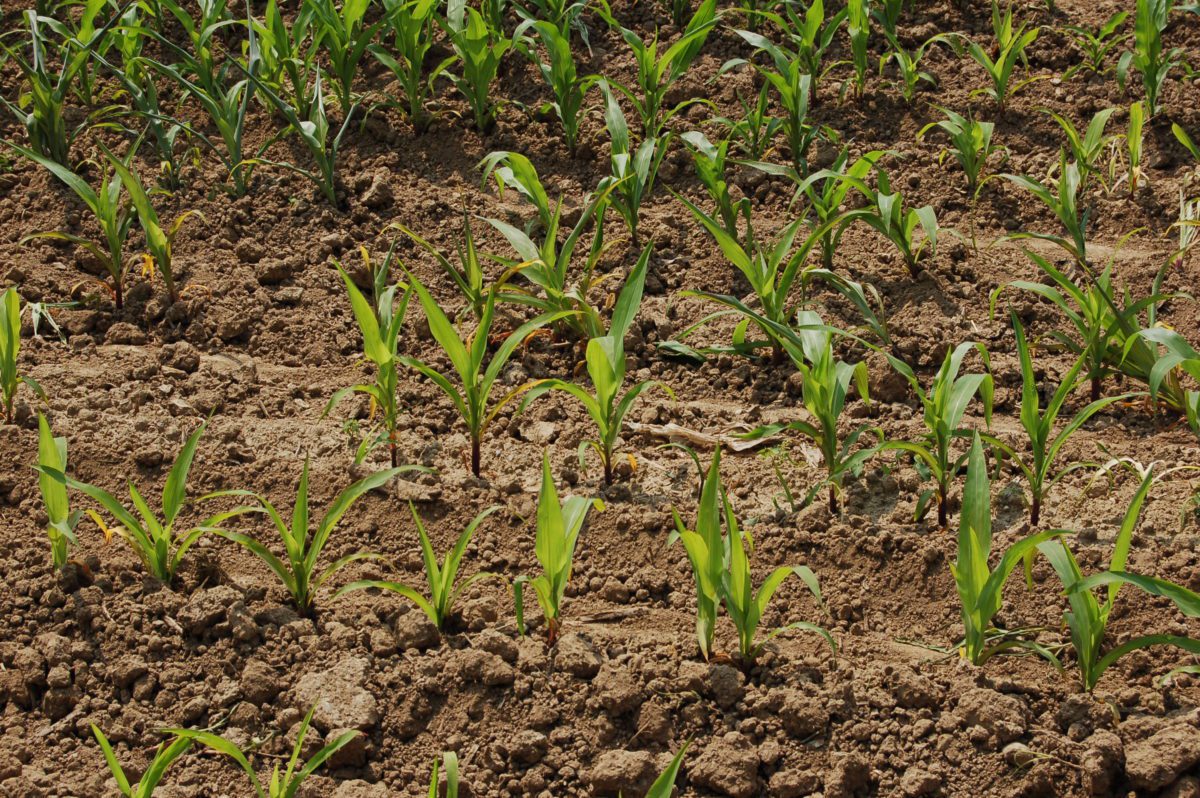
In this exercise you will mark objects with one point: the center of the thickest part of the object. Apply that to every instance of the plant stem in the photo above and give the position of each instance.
(1035, 511)
(476, 447)
(833, 501)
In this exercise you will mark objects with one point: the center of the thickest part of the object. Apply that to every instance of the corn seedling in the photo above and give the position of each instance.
(980, 589)
(971, 145)
(710, 162)
(303, 545)
(548, 265)
(826, 192)
(745, 606)
(479, 51)
(707, 551)
(10, 347)
(944, 404)
(908, 64)
(411, 24)
(559, 73)
(756, 128)
(1148, 57)
(605, 360)
(286, 53)
(41, 109)
(858, 25)
(1061, 198)
(1097, 44)
(887, 13)
(656, 74)
(1163, 378)
(113, 215)
(61, 521)
(444, 586)
(664, 785)
(285, 783)
(468, 275)
(225, 101)
(1011, 45)
(144, 787)
(449, 763)
(633, 171)
(809, 37)
(1134, 135)
(160, 243)
(344, 35)
(1087, 619)
(1087, 148)
(150, 533)
(1039, 424)
(315, 132)
(379, 320)
(472, 398)
(558, 528)
(886, 215)
(825, 388)
(793, 88)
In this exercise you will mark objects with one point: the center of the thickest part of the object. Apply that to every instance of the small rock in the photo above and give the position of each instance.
(341, 699)
(917, 782)
(124, 333)
(415, 630)
(1157, 761)
(577, 656)
(729, 766)
(1002, 715)
(727, 685)
(527, 747)
(622, 772)
(260, 684)
(206, 608)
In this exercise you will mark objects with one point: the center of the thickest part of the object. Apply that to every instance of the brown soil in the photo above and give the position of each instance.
(265, 335)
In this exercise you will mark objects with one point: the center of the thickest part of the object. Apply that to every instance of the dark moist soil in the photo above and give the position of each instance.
(264, 336)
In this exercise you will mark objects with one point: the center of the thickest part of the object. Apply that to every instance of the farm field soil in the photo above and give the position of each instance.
(264, 336)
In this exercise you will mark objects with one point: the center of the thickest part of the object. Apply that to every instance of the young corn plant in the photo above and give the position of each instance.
(944, 405)
(558, 528)
(605, 361)
(746, 606)
(560, 75)
(980, 588)
(472, 398)
(1089, 147)
(1087, 618)
(755, 129)
(411, 24)
(10, 346)
(710, 162)
(793, 88)
(225, 101)
(1148, 57)
(770, 269)
(444, 585)
(286, 53)
(285, 783)
(60, 519)
(113, 214)
(1134, 137)
(449, 763)
(479, 51)
(971, 145)
(826, 386)
(1039, 423)
(1062, 199)
(150, 533)
(144, 787)
(468, 275)
(1011, 46)
(299, 570)
(633, 171)
(826, 192)
(858, 25)
(809, 36)
(379, 320)
(344, 35)
(707, 551)
(886, 215)
(1163, 378)
(657, 74)
(41, 109)
(1097, 44)
(160, 243)
(908, 64)
(315, 132)
(547, 266)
